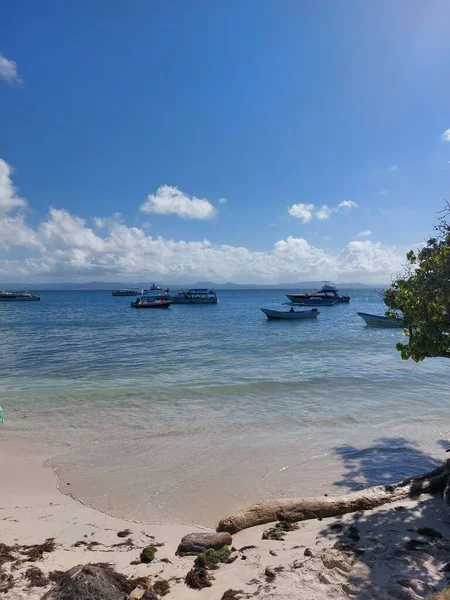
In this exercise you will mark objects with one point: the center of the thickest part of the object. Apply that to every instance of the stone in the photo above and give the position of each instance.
(137, 593)
(194, 543)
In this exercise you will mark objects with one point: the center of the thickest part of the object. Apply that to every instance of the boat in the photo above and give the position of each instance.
(6, 296)
(151, 302)
(291, 314)
(311, 300)
(126, 292)
(381, 321)
(195, 296)
(327, 292)
(153, 288)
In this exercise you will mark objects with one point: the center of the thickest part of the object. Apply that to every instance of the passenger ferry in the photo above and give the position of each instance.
(126, 292)
(195, 296)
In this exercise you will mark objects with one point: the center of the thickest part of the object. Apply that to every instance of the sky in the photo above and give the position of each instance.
(264, 141)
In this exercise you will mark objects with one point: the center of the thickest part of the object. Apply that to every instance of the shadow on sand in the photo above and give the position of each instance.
(386, 553)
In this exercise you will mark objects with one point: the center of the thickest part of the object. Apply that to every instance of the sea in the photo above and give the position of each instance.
(188, 414)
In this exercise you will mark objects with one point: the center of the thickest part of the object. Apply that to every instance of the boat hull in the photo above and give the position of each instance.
(292, 316)
(20, 299)
(159, 304)
(380, 321)
(304, 301)
(176, 300)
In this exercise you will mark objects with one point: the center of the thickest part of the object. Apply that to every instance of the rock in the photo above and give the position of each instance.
(137, 593)
(269, 574)
(308, 552)
(198, 542)
(91, 582)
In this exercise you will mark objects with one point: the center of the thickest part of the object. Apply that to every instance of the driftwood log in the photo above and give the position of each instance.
(300, 509)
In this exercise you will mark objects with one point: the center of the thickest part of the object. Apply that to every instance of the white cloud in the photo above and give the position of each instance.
(446, 135)
(365, 233)
(64, 247)
(306, 212)
(347, 204)
(324, 212)
(222, 201)
(8, 70)
(169, 200)
(393, 168)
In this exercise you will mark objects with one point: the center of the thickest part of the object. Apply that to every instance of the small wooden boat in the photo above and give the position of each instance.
(380, 321)
(151, 303)
(290, 314)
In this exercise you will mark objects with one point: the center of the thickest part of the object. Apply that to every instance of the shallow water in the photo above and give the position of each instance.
(187, 414)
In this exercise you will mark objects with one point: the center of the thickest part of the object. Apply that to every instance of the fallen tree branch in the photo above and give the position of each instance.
(300, 509)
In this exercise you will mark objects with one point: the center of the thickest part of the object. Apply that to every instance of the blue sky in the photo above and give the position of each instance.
(267, 104)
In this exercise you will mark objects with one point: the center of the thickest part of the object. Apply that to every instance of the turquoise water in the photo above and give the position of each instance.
(189, 413)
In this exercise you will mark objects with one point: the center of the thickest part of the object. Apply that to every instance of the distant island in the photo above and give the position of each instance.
(110, 285)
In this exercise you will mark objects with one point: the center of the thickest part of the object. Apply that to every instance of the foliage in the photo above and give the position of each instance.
(422, 296)
(148, 554)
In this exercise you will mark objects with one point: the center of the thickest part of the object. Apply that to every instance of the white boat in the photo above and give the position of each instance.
(153, 288)
(6, 296)
(290, 314)
(380, 321)
(322, 297)
(126, 292)
(195, 296)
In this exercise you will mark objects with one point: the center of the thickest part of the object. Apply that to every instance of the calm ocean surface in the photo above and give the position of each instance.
(188, 414)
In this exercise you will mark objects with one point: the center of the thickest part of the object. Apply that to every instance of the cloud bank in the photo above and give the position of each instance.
(66, 247)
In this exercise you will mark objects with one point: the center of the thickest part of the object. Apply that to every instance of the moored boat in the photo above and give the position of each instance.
(126, 292)
(151, 302)
(290, 314)
(195, 296)
(153, 288)
(327, 292)
(6, 296)
(381, 321)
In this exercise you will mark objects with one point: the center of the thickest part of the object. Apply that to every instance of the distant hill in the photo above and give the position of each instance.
(112, 285)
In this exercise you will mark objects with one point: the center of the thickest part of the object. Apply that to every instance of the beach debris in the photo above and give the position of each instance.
(415, 544)
(211, 559)
(429, 532)
(6, 553)
(273, 553)
(232, 595)
(308, 552)
(244, 548)
(198, 578)
(194, 543)
(124, 533)
(36, 577)
(91, 582)
(279, 531)
(148, 554)
(269, 574)
(301, 509)
(141, 592)
(354, 533)
(36, 551)
(161, 587)
(89, 545)
(6, 582)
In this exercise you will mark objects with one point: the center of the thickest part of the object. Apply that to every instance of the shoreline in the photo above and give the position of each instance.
(32, 509)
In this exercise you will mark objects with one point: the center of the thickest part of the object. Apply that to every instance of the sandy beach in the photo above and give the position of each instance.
(363, 555)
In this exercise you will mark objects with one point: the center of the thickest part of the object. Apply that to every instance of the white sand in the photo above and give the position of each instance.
(32, 509)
